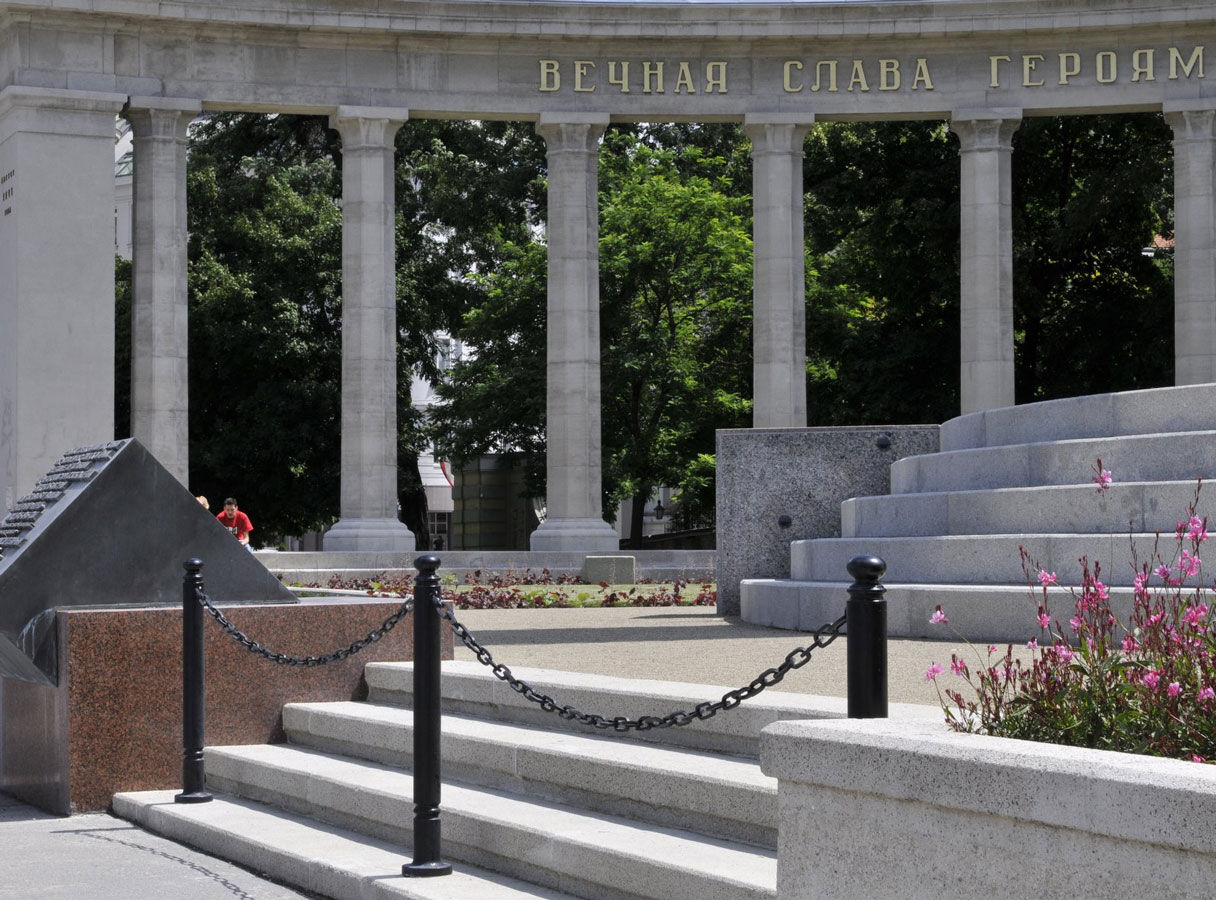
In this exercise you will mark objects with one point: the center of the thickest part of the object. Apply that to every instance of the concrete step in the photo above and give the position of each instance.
(727, 797)
(976, 559)
(1077, 508)
(980, 613)
(471, 689)
(320, 859)
(559, 847)
(1152, 411)
(1177, 456)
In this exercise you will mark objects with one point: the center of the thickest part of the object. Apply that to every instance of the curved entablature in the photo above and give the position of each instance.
(696, 61)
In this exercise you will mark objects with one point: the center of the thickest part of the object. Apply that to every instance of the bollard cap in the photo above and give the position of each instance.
(866, 571)
(428, 562)
(193, 564)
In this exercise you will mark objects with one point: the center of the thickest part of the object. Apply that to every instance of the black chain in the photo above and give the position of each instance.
(794, 660)
(309, 661)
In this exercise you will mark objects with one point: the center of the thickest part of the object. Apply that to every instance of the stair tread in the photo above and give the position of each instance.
(553, 831)
(331, 861)
(607, 750)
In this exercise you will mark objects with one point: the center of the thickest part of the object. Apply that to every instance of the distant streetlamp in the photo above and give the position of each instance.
(659, 511)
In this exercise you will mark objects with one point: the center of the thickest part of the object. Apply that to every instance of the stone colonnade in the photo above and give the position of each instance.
(62, 142)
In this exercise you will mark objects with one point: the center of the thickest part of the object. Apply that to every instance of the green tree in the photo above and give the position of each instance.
(882, 273)
(1093, 312)
(675, 273)
(265, 326)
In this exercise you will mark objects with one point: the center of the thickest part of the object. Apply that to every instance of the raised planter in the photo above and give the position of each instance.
(899, 808)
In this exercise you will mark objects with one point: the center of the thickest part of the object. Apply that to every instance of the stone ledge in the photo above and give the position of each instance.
(1008, 813)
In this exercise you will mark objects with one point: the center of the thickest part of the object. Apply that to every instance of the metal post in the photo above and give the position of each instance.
(194, 777)
(867, 639)
(427, 850)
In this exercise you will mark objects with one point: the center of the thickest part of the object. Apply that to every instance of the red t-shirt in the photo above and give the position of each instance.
(238, 524)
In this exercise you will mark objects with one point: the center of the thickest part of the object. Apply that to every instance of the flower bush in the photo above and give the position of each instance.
(1145, 685)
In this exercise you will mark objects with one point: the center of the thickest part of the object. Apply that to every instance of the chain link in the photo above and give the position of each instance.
(797, 658)
(308, 661)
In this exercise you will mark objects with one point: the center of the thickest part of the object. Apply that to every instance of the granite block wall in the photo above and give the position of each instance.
(777, 485)
(113, 723)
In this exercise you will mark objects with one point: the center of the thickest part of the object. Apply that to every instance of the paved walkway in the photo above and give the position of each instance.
(87, 856)
(690, 644)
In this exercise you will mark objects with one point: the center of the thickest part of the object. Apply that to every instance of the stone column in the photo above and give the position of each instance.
(574, 520)
(1194, 242)
(159, 345)
(56, 278)
(986, 256)
(778, 273)
(369, 335)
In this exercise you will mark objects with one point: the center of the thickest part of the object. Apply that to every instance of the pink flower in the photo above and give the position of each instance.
(1102, 477)
(1150, 679)
(1032, 644)
(1162, 571)
(1174, 689)
(957, 666)
(933, 671)
(1187, 564)
(1044, 620)
(1046, 578)
(1130, 645)
(938, 617)
(1075, 623)
(992, 648)
(1195, 615)
(1197, 529)
(1100, 591)
(1207, 694)
(1197, 758)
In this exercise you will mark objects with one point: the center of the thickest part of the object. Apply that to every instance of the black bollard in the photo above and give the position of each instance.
(194, 777)
(867, 639)
(428, 857)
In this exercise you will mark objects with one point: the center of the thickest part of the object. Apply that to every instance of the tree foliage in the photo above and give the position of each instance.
(675, 298)
(1093, 312)
(882, 273)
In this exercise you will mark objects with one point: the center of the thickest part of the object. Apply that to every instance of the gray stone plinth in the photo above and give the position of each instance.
(610, 569)
(574, 534)
(370, 534)
(804, 474)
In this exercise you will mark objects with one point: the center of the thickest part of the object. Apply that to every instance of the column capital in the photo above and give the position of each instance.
(155, 119)
(985, 129)
(572, 133)
(367, 127)
(1192, 123)
(777, 133)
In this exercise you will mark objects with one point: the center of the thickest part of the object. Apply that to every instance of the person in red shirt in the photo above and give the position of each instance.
(235, 521)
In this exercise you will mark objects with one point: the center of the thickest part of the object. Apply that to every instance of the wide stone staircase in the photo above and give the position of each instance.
(531, 805)
(951, 528)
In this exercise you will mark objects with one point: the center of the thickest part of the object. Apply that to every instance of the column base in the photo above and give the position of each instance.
(369, 534)
(574, 534)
